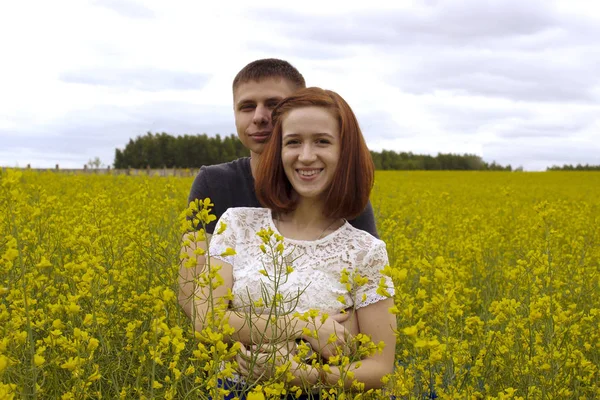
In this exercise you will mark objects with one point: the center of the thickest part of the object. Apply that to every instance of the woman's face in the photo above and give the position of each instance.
(310, 150)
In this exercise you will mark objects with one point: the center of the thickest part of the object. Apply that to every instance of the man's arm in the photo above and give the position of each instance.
(202, 187)
(200, 190)
(187, 275)
(366, 221)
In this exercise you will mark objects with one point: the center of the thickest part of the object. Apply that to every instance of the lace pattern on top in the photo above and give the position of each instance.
(317, 264)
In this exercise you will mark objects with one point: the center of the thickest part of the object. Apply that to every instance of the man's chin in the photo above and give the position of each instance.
(257, 148)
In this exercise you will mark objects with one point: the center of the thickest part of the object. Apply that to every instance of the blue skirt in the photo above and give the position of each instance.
(242, 396)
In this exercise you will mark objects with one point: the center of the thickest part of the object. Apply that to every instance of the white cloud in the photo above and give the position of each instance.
(126, 8)
(148, 79)
(513, 81)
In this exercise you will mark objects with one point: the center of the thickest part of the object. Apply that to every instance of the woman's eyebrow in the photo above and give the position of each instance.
(286, 135)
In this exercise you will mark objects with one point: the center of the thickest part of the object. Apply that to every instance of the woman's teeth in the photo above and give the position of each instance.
(308, 173)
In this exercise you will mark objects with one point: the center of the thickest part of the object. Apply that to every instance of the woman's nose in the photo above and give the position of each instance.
(307, 154)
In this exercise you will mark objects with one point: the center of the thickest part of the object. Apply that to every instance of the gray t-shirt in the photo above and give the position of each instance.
(232, 185)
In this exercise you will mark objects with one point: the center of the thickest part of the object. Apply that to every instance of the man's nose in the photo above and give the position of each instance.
(262, 115)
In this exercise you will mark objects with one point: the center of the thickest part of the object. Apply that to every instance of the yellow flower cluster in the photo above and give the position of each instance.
(497, 281)
(88, 275)
(497, 294)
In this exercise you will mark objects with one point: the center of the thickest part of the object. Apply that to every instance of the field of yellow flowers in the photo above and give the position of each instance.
(497, 281)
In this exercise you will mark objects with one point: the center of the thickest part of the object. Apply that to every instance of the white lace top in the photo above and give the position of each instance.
(317, 264)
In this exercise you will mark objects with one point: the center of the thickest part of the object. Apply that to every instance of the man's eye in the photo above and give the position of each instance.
(291, 142)
(246, 107)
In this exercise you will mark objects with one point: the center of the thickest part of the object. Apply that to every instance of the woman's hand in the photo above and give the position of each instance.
(333, 327)
(259, 363)
(343, 325)
(349, 320)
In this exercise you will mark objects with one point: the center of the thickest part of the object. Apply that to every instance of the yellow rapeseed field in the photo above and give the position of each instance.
(497, 281)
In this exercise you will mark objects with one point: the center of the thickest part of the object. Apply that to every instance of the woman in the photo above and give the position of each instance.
(314, 174)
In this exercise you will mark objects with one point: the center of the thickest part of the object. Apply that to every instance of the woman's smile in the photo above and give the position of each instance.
(309, 174)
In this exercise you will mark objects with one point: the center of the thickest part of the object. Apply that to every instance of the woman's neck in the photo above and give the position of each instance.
(307, 222)
(308, 213)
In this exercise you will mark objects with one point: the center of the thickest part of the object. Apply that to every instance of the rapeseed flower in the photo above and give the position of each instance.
(496, 278)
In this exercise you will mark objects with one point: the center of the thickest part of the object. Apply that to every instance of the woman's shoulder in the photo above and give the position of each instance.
(247, 216)
(253, 211)
(362, 240)
(370, 252)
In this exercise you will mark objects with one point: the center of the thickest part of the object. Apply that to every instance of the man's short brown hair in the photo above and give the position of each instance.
(348, 194)
(269, 68)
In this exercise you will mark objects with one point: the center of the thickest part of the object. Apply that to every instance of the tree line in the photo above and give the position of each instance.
(391, 160)
(578, 167)
(189, 151)
(162, 150)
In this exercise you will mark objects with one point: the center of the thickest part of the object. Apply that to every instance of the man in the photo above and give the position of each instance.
(257, 89)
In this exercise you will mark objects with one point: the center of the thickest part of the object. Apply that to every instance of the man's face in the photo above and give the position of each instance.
(253, 103)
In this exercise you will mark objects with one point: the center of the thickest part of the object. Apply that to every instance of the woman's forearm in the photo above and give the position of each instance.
(367, 371)
(305, 376)
(259, 329)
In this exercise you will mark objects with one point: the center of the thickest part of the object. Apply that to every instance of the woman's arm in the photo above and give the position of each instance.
(261, 329)
(191, 296)
(379, 324)
(374, 320)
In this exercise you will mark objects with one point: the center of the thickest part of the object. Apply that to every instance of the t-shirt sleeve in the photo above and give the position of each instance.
(366, 221)
(375, 260)
(224, 238)
(201, 189)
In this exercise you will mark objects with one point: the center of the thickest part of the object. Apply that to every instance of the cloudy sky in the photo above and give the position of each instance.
(515, 81)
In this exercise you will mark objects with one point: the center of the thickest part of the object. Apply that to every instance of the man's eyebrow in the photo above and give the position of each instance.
(244, 102)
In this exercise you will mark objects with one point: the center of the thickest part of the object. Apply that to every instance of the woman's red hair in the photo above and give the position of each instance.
(352, 182)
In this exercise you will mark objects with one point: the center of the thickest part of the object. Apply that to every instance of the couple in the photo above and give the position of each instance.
(308, 179)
